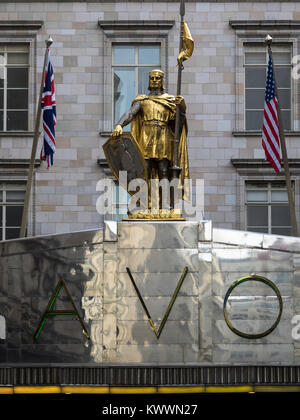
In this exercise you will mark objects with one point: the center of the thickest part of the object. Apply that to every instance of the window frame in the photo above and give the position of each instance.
(251, 32)
(136, 67)
(269, 188)
(263, 48)
(4, 187)
(33, 77)
(129, 32)
(5, 66)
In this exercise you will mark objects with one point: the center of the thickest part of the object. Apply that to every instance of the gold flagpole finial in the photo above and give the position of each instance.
(49, 42)
(268, 40)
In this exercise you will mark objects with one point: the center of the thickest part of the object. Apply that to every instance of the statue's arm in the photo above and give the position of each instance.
(126, 119)
(179, 100)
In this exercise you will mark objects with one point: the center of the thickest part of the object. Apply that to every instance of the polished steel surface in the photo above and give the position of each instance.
(110, 230)
(205, 231)
(158, 235)
(93, 264)
(238, 237)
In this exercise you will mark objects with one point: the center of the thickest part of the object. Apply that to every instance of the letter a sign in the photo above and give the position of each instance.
(49, 312)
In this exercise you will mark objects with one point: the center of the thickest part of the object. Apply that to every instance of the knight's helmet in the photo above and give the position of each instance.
(160, 73)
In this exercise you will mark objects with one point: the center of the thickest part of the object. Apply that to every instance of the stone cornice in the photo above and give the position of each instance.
(262, 167)
(104, 165)
(264, 24)
(21, 25)
(125, 25)
(16, 134)
(257, 133)
(18, 163)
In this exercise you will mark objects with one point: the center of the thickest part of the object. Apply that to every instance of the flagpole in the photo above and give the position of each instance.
(268, 41)
(175, 168)
(24, 222)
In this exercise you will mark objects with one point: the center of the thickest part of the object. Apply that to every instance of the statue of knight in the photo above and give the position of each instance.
(159, 127)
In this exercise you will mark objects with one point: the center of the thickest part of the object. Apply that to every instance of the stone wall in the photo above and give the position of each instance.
(65, 195)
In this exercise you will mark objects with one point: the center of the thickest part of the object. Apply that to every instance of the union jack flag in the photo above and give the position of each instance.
(49, 114)
(270, 131)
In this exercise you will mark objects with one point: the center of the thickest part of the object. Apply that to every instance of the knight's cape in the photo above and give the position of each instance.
(136, 125)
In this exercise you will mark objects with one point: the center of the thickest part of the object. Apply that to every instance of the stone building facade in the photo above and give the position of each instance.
(222, 85)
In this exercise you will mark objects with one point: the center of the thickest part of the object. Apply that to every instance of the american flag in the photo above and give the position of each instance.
(49, 114)
(270, 131)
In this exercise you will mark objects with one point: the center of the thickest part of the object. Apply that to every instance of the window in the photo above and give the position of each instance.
(256, 60)
(119, 203)
(267, 208)
(131, 66)
(11, 207)
(14, 67)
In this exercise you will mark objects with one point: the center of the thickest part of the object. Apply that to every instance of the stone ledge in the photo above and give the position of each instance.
(257, 133)
(18, 163)
(265, 24)
(21, 24)
(259, 163)
(16, 134)
(146, 25)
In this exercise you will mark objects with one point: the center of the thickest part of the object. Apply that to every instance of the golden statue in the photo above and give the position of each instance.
(152, 119)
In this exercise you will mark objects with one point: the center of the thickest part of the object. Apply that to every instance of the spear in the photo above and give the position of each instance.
(175, 168)
(186, 47)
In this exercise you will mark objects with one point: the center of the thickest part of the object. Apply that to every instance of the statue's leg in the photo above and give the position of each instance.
(163, 174)
(149, 166)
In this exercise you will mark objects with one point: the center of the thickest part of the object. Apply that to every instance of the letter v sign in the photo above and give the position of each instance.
(158, 331)
(50, 312)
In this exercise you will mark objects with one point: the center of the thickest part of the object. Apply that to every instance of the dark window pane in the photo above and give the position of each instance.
(284, 98)
(286, 118)
(278, 184)
(283, 77)
(1, 212)
(255, 98)
(124, 54)
(144, 79)
(255, 58)
(124, 91)
(1, 77)
(17, 98)
(280, 215)
(282, 57)
(257, 195)
(17, 58)
(1, 199)
(1, 234)
(279, 195)
(15, 196)
(254, 120)
(282, 231)
(17, 77)
(17, 120)
(12, 233)
(149, 54)
(257, 216)
(1, 98)
(255, 77)
(13, 215)
(1, 120)
(258, 184)
(256, 229)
